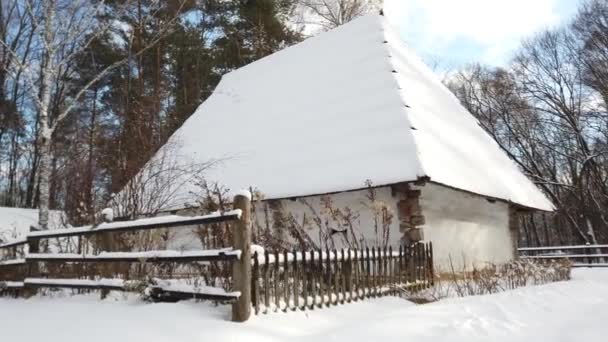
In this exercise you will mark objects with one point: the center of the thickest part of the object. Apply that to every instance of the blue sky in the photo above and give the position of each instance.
(456, 32)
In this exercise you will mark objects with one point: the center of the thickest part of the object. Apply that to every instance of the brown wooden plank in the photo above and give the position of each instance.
(411, 264)
(418, 268)
(276, 280)
(400, 266)
(336, 280)
(350, 277)
(328, 278)
(374, 271)
(311, 282)
(343, 275)
(296, 281)
(426, 265)
(391, 270)
(431, 263)
(355, 274)
(286, 292)
(266, 281)
(303, 276)
(255, 278)
(320, 274)
(382, 268)
(367, 265)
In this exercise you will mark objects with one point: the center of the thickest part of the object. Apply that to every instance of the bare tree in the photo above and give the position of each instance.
(544, 115)
(333, 13)
(62, 30)
(164, 183)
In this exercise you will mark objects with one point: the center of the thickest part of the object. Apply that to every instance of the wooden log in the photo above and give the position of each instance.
(241, 269)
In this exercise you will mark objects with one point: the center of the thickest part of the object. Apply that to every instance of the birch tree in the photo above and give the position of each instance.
(63, 29)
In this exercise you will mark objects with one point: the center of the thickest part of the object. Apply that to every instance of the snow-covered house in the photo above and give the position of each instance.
(350, 129)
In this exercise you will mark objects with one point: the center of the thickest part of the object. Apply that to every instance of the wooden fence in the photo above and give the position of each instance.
(293, 281)
(580, 255)
(25, 271)
(263, 281)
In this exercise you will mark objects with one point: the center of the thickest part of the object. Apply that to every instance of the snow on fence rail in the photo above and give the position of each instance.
(171, 221)
(23, 274)
(13, 244)
(225, 254)
(580, 255)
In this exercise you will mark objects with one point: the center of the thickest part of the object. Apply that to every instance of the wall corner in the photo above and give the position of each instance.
(409, 212)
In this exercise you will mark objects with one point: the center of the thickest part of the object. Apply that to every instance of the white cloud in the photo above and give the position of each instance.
(492, 24)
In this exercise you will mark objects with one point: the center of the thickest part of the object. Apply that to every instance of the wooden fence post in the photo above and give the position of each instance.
(106, 245)
(32, 269)
(241, 269)
(588, 253)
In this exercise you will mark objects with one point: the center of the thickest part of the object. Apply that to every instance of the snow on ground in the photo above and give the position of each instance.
(566, 311)
(15, 222)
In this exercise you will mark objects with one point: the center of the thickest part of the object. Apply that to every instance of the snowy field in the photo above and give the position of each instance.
(566, 311)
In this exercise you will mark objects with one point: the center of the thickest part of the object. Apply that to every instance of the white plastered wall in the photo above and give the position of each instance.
(462, 226)
(467, 228)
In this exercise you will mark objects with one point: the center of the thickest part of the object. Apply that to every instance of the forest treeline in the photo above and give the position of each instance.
(90, 89)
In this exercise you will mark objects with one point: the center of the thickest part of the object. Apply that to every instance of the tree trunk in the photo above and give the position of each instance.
(45, 123)
(44, 170)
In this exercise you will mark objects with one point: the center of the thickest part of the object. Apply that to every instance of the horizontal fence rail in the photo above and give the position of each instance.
(162, 222)
(261, 282)
(579, 255)
(226, 254)
(22, 274)
(13, 244)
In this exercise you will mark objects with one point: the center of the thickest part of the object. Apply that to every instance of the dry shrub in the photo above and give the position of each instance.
(493, 279)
